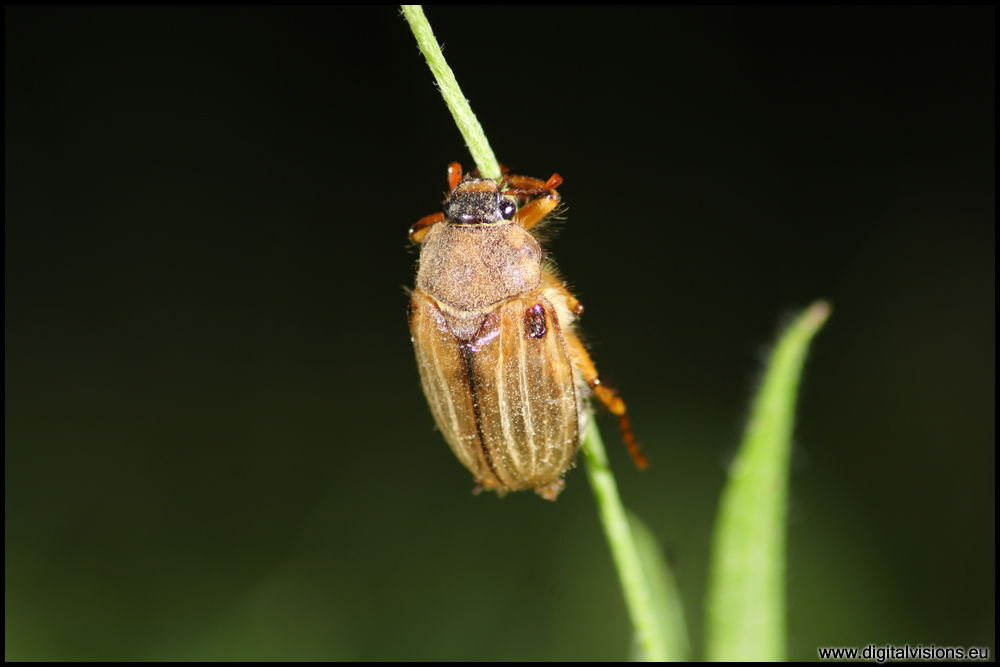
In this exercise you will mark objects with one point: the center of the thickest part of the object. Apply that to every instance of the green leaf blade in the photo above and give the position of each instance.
(746, 597)
(665, 601)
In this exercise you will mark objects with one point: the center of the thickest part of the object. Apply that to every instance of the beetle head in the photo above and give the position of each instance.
(477, 201)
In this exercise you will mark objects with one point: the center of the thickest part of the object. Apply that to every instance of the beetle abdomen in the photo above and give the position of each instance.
(505, 400)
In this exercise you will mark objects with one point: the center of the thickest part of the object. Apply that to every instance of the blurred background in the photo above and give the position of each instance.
(216, 445)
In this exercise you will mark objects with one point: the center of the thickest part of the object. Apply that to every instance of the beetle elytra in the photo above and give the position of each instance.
(493, 327)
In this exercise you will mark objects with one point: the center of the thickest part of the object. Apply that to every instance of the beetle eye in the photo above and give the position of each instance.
(507, 209)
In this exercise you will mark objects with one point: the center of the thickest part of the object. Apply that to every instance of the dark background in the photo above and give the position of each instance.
(216, 442)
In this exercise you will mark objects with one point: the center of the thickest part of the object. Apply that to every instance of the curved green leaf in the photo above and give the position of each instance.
(746, 597)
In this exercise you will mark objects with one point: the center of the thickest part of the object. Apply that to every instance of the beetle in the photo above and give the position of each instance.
(494, 331)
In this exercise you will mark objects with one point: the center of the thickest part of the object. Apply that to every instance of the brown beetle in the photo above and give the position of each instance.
(493, 327)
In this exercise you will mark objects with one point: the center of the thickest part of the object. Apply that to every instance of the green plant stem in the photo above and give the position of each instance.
(623, 546)
(616, 524)
(470, 128)
(745, 611)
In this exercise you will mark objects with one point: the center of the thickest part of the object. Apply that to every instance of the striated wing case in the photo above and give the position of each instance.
(505, 400)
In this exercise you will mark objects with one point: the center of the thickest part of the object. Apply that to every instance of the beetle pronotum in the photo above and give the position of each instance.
(492, 324)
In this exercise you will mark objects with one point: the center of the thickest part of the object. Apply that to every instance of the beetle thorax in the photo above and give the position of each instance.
(472, 268)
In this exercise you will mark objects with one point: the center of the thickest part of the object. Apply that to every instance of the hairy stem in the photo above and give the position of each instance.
(470, 128)
(613, 517)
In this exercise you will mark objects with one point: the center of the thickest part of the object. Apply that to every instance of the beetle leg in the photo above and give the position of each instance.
(419, 230)
(528, 183)
(573, 303)
(454, 175)
(606, 395)
(535, 211)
